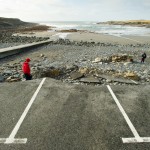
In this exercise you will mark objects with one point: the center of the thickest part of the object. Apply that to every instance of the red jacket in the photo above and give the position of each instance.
(26, 68)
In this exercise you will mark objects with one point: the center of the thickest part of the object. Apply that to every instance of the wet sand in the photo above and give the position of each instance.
(91, 37)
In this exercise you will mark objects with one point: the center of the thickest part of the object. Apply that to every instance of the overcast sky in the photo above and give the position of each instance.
(75, 10)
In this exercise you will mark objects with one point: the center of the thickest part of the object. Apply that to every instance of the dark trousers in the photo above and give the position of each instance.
(28, 77)
(142, 60)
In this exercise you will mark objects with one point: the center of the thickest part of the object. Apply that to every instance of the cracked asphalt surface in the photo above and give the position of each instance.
(73, 117)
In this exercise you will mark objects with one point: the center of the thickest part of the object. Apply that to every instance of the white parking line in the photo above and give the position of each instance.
(137, 138)
(11, 139)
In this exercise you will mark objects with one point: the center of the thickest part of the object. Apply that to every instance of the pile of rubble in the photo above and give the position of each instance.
(121, 58)
(71, 74)
(74, 73)
(114, 59)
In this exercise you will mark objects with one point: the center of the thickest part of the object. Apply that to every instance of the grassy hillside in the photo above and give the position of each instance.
(12, 23)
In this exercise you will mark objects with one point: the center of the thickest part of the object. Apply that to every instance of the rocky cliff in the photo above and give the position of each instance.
(139, 23)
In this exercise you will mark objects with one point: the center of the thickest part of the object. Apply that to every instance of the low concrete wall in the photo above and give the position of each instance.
(5, 52)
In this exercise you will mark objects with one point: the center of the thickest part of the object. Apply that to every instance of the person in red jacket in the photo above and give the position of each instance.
(26, 69)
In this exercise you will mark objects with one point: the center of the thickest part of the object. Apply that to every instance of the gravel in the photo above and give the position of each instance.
(60, 54)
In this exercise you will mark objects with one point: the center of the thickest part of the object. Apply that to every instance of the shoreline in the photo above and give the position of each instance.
(88, 37)
(79, 36)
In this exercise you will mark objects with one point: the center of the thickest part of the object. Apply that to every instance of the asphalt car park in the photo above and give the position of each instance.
(46, 114)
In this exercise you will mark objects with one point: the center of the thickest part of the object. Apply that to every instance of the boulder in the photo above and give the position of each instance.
(104, 60)
(90, 80)
(8, 72)
(9, 78)
(76, 75)
(127, 63)
(119, 58)
(146, 72)
(118, 74)
(41, 55)
(131, 75)
(12, 79)
(69, 30)
(98, 59)
(84, 70)
(94, 71)
(108, 81)
(16, 75)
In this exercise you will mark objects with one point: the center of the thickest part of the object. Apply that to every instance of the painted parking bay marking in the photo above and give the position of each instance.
(11, 139)
(136, 138)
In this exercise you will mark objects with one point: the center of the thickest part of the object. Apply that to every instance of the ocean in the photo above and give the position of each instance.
(116, 30)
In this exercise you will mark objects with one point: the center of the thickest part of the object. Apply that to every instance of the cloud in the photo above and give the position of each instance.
(32, 10)
(107, 3)
(146, 3)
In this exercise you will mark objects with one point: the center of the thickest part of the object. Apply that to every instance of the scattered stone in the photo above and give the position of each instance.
(90, 80)
(108, 81)
(127, 63)
(71, 67)
(9, 78)
(119, 58)
(16, 75)
(84, 70)
(76, 75)
(131, 75)
(118, 74)
(41, 55)
(8, 72)
(98, 59)
(146, 72)
(12, 79)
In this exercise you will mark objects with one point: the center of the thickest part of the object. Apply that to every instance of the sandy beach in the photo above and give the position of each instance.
(95, 37)
(90, 37)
